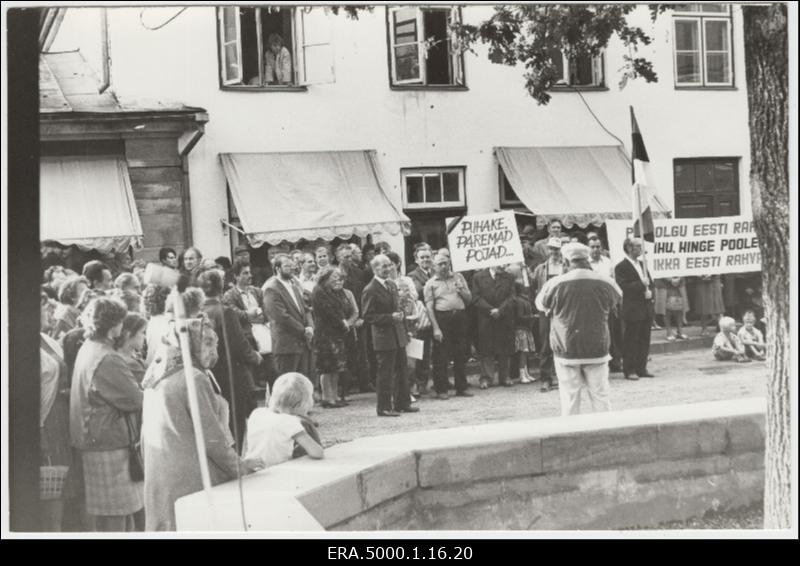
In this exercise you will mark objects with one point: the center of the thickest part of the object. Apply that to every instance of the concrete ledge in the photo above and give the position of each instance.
(588, 471)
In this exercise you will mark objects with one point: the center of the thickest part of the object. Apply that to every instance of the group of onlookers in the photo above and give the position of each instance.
(324, 323)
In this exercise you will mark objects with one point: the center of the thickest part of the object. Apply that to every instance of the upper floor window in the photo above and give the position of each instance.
(274, 47)
(702, 40)
(508, 197)
(582, 71)
(421, 47)
(433, 187)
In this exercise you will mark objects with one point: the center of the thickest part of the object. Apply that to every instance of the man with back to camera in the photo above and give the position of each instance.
(637, 294)
(579, 302)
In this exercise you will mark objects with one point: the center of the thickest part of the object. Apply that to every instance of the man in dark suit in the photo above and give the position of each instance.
(389, 338)
(492, 290)
(637, 294)
(423, 256)
(291, 324)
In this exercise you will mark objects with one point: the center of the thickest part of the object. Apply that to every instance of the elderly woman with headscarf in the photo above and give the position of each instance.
(172, 465)
(104, 396)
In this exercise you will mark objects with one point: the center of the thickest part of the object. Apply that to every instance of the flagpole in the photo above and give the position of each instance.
(637, 194)
(633, 168)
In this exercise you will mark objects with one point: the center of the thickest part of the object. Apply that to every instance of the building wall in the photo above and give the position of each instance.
(416, 128)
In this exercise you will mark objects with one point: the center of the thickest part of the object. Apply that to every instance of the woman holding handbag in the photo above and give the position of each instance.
(104, 391)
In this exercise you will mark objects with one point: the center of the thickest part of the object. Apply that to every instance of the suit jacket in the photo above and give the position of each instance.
(634, 305)
(495, 336)
(233, 300)
(378, 304)
(287, 322)
(420, 278)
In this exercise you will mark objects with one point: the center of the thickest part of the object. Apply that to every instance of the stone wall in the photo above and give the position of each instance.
(634, 468)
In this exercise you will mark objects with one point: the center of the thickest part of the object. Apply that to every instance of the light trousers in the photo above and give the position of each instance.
(572, 379)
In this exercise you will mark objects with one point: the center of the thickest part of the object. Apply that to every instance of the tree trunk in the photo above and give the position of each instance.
(767, 68)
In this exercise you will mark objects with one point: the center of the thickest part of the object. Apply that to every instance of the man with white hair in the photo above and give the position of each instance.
(579, 302)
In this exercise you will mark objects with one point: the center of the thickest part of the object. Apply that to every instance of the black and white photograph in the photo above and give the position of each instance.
(438, 271)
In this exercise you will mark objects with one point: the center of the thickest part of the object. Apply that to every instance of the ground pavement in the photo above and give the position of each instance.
(688, 376)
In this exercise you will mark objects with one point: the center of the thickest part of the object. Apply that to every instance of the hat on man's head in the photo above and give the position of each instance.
(575, 251)
(554, 243)
(240, 249)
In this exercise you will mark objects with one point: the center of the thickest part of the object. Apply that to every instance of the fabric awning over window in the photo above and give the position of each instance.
(88, 202)
(577, 185)
(310, 195)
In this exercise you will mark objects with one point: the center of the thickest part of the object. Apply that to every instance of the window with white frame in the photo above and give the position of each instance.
(274, 47)
(582, 71)
(433, 187)
(421, 46)
(702, 45)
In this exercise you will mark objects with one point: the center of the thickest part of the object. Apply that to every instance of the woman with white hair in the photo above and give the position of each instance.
(171, 460)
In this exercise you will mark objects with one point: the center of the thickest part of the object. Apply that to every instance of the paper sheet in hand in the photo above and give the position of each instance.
(414, 348)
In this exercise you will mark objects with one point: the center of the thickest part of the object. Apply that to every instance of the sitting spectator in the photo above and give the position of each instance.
(277, 62)
(727, 345)
(273, 432)
(127, 290)
(751, 338)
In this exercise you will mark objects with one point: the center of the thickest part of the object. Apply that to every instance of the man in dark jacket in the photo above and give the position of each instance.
(382, 312)
(637, 294)
(237, 387)
(492, 290)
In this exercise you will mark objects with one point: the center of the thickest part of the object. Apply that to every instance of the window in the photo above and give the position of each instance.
(583, 71)
(706, 187)
(703, 54)
(508, 198)
(433, 188)
(421, 49)
(274, 48)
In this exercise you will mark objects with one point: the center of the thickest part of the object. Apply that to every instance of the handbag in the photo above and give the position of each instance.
(51, 481)
(135, 460)
(263, 337)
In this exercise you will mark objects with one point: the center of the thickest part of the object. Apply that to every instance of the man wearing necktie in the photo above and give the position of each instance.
(637, 294)
(389, 338)
(291, 324)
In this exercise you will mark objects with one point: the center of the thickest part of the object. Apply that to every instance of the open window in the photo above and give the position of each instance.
(582, 71)
(273, 47)
(422, 48)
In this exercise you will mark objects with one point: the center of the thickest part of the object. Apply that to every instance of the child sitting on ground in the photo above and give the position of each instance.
(273, 433)
(727, 345)
(751, 338)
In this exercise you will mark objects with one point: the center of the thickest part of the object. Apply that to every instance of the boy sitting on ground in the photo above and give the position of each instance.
(751, 338)
(727, 345)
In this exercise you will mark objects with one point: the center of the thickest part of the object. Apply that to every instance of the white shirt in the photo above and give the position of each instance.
(270, 436)
(603, 266)
(290, 288)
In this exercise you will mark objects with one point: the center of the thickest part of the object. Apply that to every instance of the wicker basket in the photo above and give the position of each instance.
(51, 481)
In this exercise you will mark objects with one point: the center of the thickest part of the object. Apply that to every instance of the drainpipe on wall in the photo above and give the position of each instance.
(104, 50)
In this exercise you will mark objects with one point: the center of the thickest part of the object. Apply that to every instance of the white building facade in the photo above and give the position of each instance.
(433, 118)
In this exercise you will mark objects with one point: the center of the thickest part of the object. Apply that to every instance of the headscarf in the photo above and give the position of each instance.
(171, 360)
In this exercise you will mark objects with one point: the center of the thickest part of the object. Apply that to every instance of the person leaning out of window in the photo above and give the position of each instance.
(277, 62)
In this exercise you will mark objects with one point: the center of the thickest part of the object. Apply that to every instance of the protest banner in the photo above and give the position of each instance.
(484, 240)
(693, 246)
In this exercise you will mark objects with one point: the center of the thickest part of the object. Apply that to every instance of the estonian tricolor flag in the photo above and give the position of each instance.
(642, 189)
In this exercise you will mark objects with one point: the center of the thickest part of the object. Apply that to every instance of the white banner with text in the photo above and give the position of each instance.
(484, 240)
(693, 246)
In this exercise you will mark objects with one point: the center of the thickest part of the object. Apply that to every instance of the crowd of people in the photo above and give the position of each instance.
(324, 324)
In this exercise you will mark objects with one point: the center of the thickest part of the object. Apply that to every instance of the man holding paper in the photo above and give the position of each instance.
(446, 298)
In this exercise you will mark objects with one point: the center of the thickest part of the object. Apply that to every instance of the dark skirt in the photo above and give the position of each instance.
(330, 355)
